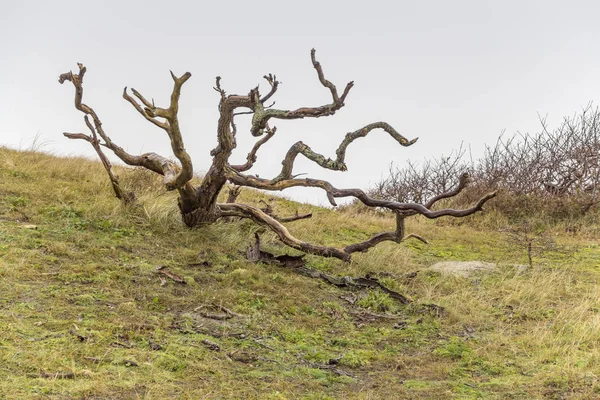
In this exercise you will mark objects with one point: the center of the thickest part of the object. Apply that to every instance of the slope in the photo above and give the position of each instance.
(84, 312)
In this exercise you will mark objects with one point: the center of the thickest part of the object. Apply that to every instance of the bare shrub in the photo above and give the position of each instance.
(553, 171)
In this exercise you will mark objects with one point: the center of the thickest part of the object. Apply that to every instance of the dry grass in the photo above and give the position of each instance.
(80, 295)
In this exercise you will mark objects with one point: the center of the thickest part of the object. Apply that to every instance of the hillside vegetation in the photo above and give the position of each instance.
(552, 175)
(84, 312)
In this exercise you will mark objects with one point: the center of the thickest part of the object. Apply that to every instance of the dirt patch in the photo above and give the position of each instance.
(462, 268)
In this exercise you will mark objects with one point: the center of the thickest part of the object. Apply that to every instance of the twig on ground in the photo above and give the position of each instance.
(164, 271)
(211, 345)
(53, 375)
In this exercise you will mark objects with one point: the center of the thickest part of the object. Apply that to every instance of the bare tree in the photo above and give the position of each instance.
(198, 204)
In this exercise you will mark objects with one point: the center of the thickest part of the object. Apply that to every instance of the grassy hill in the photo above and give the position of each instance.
(85, 314)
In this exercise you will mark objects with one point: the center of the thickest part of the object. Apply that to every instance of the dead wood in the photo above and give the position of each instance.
(198, 203)
(162, 270)
(128, 363)
(298, 264)
(53, 375)
(268, 209)
(96, 360)
(51, 336)
(211, 345)
(330, 367)
(81, 338)
(228, 314)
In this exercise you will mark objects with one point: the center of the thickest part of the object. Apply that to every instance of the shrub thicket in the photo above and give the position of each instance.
(555, 172)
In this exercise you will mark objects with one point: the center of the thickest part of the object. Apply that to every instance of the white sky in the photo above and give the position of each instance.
(443, 71)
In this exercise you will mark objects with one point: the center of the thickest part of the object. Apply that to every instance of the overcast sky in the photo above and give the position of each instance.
(444, 71)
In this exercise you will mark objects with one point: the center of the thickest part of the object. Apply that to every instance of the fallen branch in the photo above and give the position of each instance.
(330, 367)
(211, 345)
(162, 270)
(81, 338)
(298, 264)
(52, 336)
(53, 375)
(366, 315)
(96, 360)
(219, 317)
(128, 363)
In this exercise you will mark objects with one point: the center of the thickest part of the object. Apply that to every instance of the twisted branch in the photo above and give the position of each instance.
(261, 116)
(251, 158)
(151, 161)
(463, 181)
(338, 164)
(77, 80)
(114, 179)
(333, 192)
(175, 178)
(266, 219)
(260, 217)
(268, 209)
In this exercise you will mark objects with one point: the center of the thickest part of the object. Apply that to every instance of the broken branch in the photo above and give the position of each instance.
(163, 271)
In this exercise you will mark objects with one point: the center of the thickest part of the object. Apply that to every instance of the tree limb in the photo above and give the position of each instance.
(462, 183)
(151, 161)
(268, 209)
(77, 81)
(333, 192)
(274, 83)
(251, 159)
(338, 164)
(234, 192)
(415, 236)
(263, 218)
(140, 110)
(297, 263)
(293, 218)
(394, 236)
(176, 178)
(260, 217)
(261, 116)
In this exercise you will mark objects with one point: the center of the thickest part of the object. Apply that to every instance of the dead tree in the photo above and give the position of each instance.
(198, 204)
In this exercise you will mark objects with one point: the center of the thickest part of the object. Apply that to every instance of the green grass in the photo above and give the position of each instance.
(79, 294)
